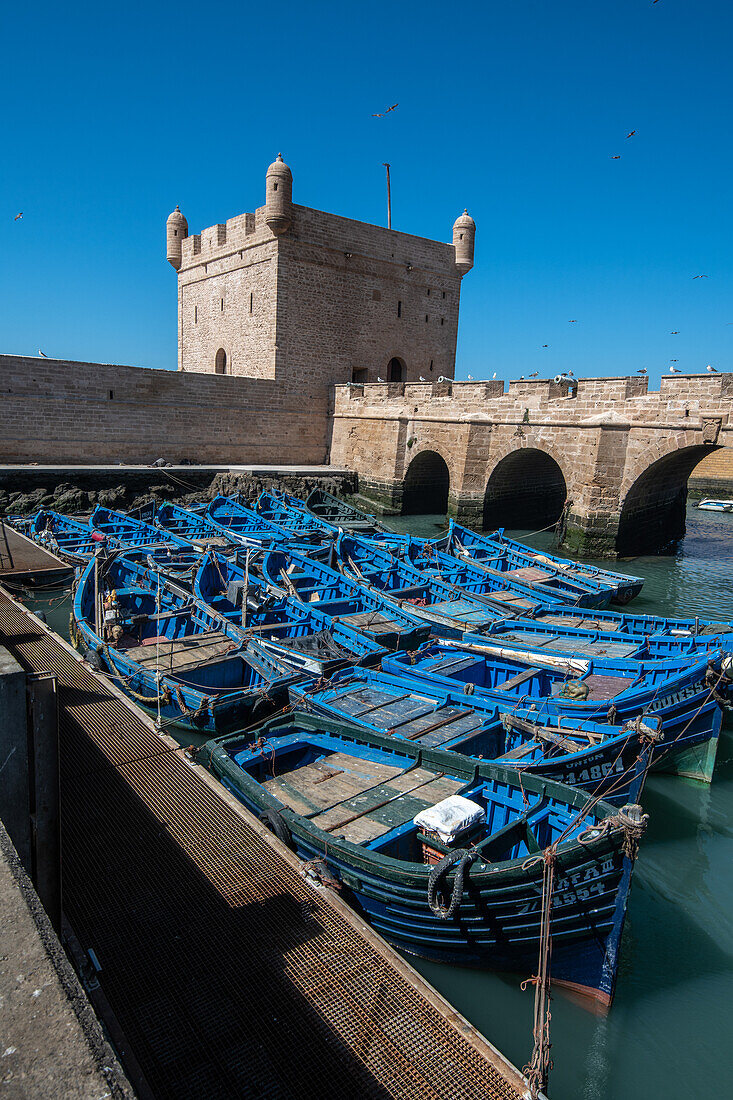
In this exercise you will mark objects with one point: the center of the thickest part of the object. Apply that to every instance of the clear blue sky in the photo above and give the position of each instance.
(115, 113)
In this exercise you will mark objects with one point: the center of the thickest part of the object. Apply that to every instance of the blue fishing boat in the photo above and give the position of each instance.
(70, 539)
(461, 541)
(126, 530)
(344, 600)
(339, 513)
(193, 526)
(636, 624)
(599, 691)
(398, 586)
(442, 854)
(298, 523)
(294, 634)
(171, 655)
(449, 609)
(243, 525)
(509, 569)
(599, 758)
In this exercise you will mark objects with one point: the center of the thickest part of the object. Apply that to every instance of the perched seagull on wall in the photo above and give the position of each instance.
(712, 370)
(381, 114)
(569, 374)
(701, 276)
(642, 371)
(521, 378)
(470, 378)
(422, 379)
(379, 379)
(494, 375)
(42, 354)
(673, 370)
(631, 133)
(18, 217)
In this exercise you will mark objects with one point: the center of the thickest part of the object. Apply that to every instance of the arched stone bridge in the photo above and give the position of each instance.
(614, 455)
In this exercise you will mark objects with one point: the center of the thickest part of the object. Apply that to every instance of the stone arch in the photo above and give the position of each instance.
(654, 505)
(396, 369)
(426, 485)
(220, 362)
(526, 488)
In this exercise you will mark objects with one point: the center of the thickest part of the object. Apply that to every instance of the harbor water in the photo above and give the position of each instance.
(668, 1032)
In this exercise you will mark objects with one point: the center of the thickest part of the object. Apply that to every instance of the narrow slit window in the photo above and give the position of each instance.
(399, 309)
(251, 301)
(221, 304)
(426, 317)
(442, 320)
(111, 395)
(444, 294)
(195, 315)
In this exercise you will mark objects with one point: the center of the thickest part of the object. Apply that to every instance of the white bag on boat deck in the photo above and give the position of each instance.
(450, 818)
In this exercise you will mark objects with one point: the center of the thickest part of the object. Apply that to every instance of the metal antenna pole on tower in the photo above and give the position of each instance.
(389, 198)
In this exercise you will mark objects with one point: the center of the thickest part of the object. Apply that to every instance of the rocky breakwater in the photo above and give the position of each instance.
(24, 492)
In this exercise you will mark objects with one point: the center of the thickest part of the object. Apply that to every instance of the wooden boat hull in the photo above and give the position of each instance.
(497, 921)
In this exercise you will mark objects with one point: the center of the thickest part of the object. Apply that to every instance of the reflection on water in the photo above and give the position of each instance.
(669, 1030)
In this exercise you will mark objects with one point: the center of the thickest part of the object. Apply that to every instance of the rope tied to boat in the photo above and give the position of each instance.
(712, 680)
(645, 733)
(463, 857)
(537, 1071)
(612, 715)
(630, 818)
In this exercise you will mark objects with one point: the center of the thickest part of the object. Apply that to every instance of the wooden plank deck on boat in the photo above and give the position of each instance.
(581, 647)
(359, 799)
(181, 653)
(371, 622)
(416, 718)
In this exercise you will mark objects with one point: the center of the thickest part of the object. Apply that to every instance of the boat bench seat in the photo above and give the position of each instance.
(520, 678)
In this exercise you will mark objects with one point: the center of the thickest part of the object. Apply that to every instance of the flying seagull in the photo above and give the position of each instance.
(631, 133)
(675, 333)
(470, 378)
(535, 375)
(569, 374)
(545, 345)
(573, 322)
(674, 360)
(381, 114)
(642, 371)
(617, 157)
(673, 370)
(18, 216)
(700, 276)
(42, 354)
(712, 370)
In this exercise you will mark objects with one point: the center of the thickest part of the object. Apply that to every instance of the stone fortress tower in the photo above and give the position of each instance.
(309, 299)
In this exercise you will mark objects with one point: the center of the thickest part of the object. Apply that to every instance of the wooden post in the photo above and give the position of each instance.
(389, 198)
(96, 594)
(246, 590)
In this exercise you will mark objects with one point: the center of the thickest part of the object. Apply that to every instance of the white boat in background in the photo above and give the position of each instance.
(716, 505)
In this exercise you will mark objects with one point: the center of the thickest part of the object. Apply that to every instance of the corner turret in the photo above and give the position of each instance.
(464, 233)
(176, 229)
(278, 196)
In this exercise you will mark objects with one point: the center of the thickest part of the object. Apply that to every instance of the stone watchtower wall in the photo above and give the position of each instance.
(618, 455)
(306, 299)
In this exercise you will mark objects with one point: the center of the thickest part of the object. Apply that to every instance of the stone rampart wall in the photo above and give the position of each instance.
(56, 411)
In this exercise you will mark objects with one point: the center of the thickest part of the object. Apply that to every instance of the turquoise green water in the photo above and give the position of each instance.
(669, 1031)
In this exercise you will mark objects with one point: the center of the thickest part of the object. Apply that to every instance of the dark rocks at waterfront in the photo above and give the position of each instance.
(27, 491)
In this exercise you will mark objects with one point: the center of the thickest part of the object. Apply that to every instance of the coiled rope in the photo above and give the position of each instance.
(464, 858)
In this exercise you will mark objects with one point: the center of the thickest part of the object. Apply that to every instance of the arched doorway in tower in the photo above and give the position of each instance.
(220, 363)
(653, 512)
(396, 370)
(525, 489)
(426, 485)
